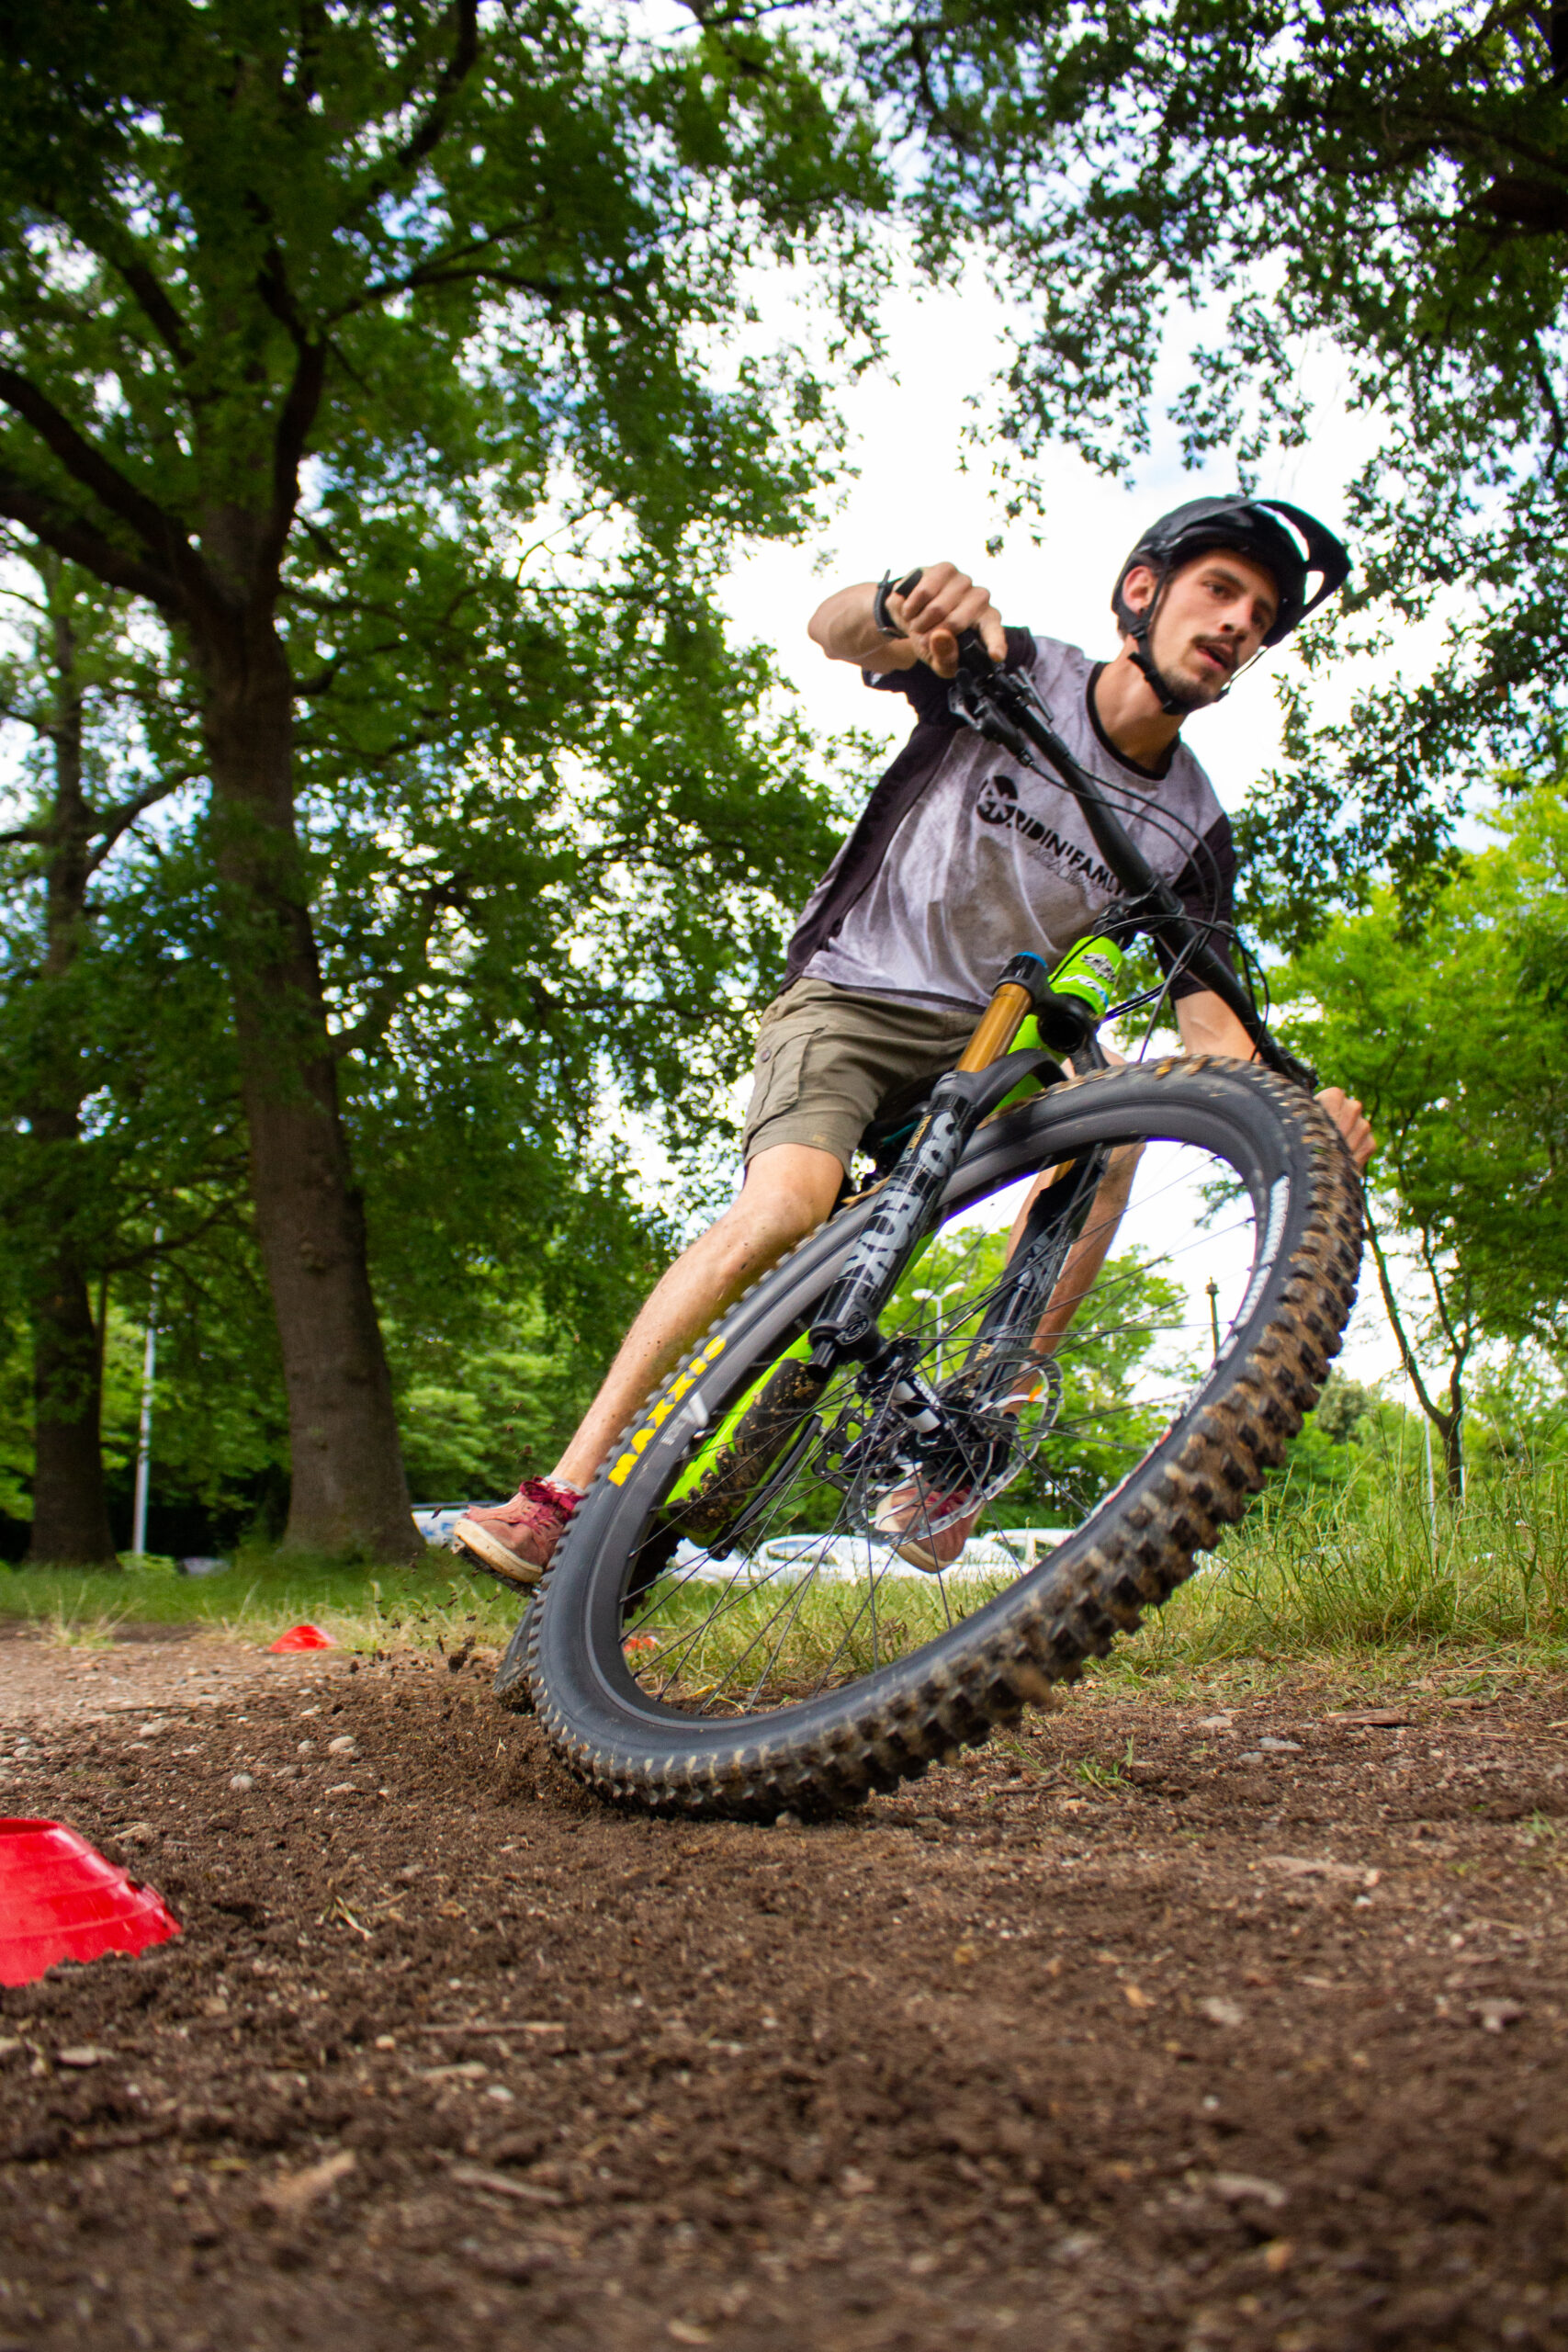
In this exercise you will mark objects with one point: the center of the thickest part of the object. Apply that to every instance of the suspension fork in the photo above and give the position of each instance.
(907, 1206)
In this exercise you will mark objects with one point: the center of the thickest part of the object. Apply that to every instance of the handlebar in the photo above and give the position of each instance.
(1005, 707)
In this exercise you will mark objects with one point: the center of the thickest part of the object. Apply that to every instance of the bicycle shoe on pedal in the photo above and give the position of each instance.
(933, 1536)
(517, 1539)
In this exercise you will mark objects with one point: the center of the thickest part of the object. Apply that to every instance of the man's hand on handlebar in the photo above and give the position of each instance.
(942, 604)
(1208, 1026)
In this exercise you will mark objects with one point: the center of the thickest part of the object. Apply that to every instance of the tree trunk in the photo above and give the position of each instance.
(1448, 1425)
(1453, 1460)
(70, 1522)
(349, 1492)
(1452, 1428)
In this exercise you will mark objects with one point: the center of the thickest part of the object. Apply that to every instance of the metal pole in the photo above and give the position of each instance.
(144, 1437)
(934, 1298)
(1214, 1314)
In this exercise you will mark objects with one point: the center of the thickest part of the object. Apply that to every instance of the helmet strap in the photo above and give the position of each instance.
(1143, 659)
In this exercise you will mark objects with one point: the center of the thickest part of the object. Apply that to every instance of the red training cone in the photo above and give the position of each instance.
(304, 1637)
(61, 1900)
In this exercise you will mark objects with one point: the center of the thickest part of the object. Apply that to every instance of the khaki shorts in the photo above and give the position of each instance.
(830, 1061)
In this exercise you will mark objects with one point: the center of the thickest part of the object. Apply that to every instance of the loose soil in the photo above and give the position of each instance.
(1132, 2032)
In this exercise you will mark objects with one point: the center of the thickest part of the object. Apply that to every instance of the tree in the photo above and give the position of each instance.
(102, 750)
(1455, 1035)
(276, 283)
(1394, 180)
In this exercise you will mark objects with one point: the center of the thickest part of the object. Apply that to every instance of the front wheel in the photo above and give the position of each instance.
(756, 1607)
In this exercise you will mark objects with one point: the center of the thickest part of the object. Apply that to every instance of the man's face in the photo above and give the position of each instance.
(1215, 613)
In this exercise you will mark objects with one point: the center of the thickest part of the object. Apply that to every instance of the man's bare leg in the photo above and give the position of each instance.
(1089, 1252)
(788, 1192)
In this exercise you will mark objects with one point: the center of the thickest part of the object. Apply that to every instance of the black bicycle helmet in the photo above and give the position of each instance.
(1248, 527)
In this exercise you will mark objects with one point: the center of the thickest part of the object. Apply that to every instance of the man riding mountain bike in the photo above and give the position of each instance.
(954, 865)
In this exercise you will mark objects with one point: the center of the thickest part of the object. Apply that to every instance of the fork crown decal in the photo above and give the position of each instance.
(897, 1223)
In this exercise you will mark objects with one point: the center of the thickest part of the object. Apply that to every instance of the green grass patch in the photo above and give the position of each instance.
(261, 1595)
(1369, 1590)
(788, 1634)
(1370, 1585)
(1372, 1576)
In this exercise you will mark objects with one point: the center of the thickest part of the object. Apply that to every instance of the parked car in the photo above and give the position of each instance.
(1006, 1552)
(436, 1521)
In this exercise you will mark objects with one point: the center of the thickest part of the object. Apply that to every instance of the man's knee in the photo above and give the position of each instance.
(788, 1192)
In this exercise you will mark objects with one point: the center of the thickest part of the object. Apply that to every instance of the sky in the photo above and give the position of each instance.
(925, 493)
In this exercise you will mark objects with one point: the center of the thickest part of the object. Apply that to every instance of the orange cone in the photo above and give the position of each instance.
(61, 1900)
(304, 1637)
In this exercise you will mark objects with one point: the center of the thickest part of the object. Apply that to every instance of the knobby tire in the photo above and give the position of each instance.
(1136, 1545)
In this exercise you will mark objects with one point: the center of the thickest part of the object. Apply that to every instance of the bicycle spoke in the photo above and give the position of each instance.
(801, 1596)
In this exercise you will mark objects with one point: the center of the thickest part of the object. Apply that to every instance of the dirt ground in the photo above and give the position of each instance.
(1136, 2031)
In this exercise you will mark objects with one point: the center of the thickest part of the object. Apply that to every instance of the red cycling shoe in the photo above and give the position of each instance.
(909, 1510)
(517, 1539)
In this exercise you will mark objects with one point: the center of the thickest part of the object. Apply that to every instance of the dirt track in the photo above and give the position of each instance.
(1079, 2043)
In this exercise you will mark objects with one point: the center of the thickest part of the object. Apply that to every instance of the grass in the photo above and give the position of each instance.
(261, 1595)
(1368, 1587)
(1369, 1590)
(1374, 1573)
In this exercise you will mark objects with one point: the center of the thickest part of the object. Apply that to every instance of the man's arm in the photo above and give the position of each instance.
(1209, 1027)
(942, 604)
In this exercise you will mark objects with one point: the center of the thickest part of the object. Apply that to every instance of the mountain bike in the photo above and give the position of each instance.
(1108, 1292)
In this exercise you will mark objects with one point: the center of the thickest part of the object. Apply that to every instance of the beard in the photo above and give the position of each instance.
(1192, 683)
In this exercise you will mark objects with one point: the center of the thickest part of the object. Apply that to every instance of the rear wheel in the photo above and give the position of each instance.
(734, 1622)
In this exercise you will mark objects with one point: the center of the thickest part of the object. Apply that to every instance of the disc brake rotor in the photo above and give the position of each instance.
(979, 1449)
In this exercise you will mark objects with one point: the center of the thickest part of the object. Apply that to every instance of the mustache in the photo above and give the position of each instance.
(1222, 650)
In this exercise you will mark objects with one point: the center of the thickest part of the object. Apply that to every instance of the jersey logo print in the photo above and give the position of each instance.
(999, 805)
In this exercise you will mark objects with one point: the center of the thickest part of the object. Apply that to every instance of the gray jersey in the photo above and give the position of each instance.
(962, 857)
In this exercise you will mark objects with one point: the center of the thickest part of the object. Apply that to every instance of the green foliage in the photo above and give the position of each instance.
(219, 1455)
(1517, 1422)
(1117, 1363)
(16, 1419)
(448, 251)
(490, 1395)
(1349, 1445)
(1455, 1036)
(405, 362)
(1390, 181)
(139, 1024)
(109, 1015)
